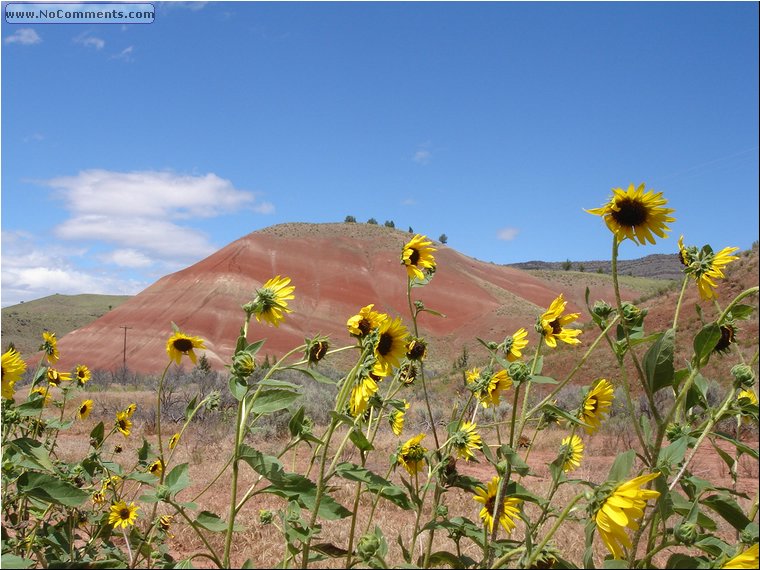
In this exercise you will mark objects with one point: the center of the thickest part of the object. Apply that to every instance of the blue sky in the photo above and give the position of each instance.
(129, 152)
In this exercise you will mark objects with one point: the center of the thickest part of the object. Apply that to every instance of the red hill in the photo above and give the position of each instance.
(336, 269)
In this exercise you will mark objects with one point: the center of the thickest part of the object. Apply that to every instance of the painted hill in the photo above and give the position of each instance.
(337, 269)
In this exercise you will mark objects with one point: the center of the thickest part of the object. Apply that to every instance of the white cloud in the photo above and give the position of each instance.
(125, 54)
(23, 36)
(90, 41)
(409, 202)
(126, 258)
(34, 137)
(422, 156)
(507, 234)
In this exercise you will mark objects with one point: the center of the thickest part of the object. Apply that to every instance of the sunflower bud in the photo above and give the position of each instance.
(744, 377)
(675, 431)
(686, 532)
(442, 511)
(368, 546)
(519, 372)
(602, 309)
(243, 364)
(266, 516)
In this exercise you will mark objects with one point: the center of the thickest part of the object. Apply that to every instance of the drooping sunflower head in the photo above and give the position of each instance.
(123, 424)
(686, 254)
(488, 385)
(180, 343)
(571, 451)
(54, 377)
(466, 440)
(13, 368)
(390, 347)
(514, 344)
(727, 338)
(708, 266)
(173, 441)
(486, 496)
(165, 524)
(82, 374)
(636, 214)
(623, 508)
(407, 373)
(130, 410)
(361, 393)
(84, 409)
(396, 418)
(596, 405)
(416, 349)
(50, 347)
(365, 321)
(123, 515)
(552, 324)
(418, 255)
(44, 392)
(411, 455)
(271, 300)
(156, 468)
(316, 349)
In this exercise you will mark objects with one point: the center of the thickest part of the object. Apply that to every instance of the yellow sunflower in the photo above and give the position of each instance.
(572, 451)
(412, 455)
(745, 559)
(13, 368)
(165, 524)
(596, 404)
(750, 396)
(711, 269)
(173, 441)
(130, 409)
(686, 254)
(418, 255)
(635, 214)
(156, 468)
(84, 409)
(82, 374)
(488, 385)
(487, 497)
(623, 508)
(271, 300)
(366, 321)
(44, 392)
(396, 419)
(390, 347)
(50, 347)
(360, 395)
(513, 345)
(123, 515)
(54, 377)
(466, 441)
(551, 324)
(123, 423)
(180, 343)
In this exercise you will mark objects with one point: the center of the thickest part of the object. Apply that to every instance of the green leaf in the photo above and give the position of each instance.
(752, 452)
(97, 433)
(713, 546)
(34, 450)
(674, 453)
(614, 563)
(374, 483)
(705, 342)
(518, 465)
(543, 380)
(142, 477)
(622, 466)
(358, 438)
(658, 362)
(330, 550)
(13, 561)
(31, 408)
(443, 557)
(238, 387)
(740, 312)
(295, 424)
(273, 400)
(142, 453)
(50, 489)
(254, 347)
(727, 508)
(178, 478)
(214, 523)
(564, 414)
(680, 561)
(191, 406)
(313, 374)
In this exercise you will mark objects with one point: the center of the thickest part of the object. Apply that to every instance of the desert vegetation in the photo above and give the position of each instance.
(501, 460)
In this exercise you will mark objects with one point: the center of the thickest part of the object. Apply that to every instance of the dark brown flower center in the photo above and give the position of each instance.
(631, 213)
(124, 514)
(726, 338)
(414, 257)
(384, 344)
(556, 326)
(183, 344)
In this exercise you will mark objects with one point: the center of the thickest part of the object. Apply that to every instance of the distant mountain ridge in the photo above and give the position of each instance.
(655, 266)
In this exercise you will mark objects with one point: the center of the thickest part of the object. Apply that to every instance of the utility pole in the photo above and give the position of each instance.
(124, 362)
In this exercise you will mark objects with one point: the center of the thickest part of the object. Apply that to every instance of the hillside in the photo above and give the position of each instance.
(656, 266)
(23, 323)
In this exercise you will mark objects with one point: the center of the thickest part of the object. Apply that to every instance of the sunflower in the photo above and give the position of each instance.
(123, 423)
(50, 347)
(466, 441)
(623, 508)
(686, 254)
(513, 345)
(396, 419)
(417, 255)
(43, 392)
(365, 321)
(572, 452)
(745, 559)
(82, 374)
(13, 367)
(750, 398)
(487, 497)
(271, 300)
(727, 338)
(130, 409)
(390, 347)
(98, 498)
(635, 214)
(596, 404)
(165, 524)
(84, 409)
(54, 377)
(416, 349)
(551, 325)
(156, 468)
(173, 441)
(411, 455)
(710, 267)
(488, 385)
(360, 395)
(180, 343)
(123, 515)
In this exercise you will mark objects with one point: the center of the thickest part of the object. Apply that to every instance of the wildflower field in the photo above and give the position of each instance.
(517, 475)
